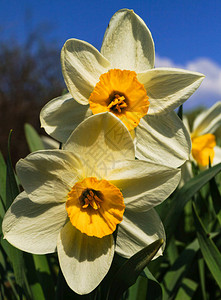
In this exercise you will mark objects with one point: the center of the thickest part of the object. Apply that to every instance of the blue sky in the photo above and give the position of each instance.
(187, 34)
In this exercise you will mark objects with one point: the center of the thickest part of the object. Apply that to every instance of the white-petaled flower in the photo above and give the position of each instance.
(204, 148)
(74, 198)
(202, 135)
(122, 79)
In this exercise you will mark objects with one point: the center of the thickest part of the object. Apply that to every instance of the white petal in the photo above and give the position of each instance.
(84, 260)
(168, 88)
(217, 157)
(163, 139)
(60, 116)
(208, 121)
(128, 43)
(138, 230)
(186, 173)
(48, 175)
(101, 141)
(82, 65)
(186, 123)
(144, 184)
(49, 143)
(33, 227)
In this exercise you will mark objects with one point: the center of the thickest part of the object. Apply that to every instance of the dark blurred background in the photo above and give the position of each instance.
(30, 76)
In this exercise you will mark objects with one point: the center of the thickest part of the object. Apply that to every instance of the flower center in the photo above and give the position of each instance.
(89, 197)
(119, 92)
(95, 207)
(203, 149)
(117, 104)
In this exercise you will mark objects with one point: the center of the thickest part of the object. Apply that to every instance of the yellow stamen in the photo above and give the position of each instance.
(117, 104)
(119, 92)
(89, 197)
(95, 207)
(203, 149)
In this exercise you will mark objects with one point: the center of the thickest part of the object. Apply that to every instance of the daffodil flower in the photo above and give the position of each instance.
(203, 138)
(74, 199)
(204, 148)
(121, 79)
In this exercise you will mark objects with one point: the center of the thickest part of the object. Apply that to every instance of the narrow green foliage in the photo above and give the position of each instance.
(178, 271)
(201, 266)
(12, 189)
(183, 195)
(209, 250)
(34, 284)
(172, 250)
(44, 275)
(33, 139)
(138, 290)
(216, 197)
(3, 171)
(130, 270)
(187, 289)
(154, 289)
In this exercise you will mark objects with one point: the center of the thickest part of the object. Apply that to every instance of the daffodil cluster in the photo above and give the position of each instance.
(122, 79)
(119, 107)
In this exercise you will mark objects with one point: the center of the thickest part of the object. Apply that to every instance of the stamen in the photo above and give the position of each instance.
(118, 103)
(89, 197)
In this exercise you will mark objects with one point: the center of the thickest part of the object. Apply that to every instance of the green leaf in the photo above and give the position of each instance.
(33, 139)
(172, 250)
(130, 270)
(183, 195)
(139, 289)
(12, 189)
(44, 275)
(187, 289)
(2, 180)
(209, 250)
(15, 256)
(154, 289)
(35, 285)
(201, 266)
(9, 277)
(216, 197)
(178, 271)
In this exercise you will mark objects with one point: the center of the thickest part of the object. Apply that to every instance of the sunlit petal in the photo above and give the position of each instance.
(137, 231)
(163, 140)
(128, 43)
(144, 184)
(208, 121)
(33, 227)
(48, 175)
(168, 88)
(84, 260)
(60, 116)
(82, 65)
(101, 141)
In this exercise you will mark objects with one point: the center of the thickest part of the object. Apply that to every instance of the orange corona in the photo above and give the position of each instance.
(95, 207)
(119, 92)
(203, 149)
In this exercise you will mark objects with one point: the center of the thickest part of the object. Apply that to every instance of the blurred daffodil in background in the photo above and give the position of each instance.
(75, 197)
(204, 142)
(121, 79)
